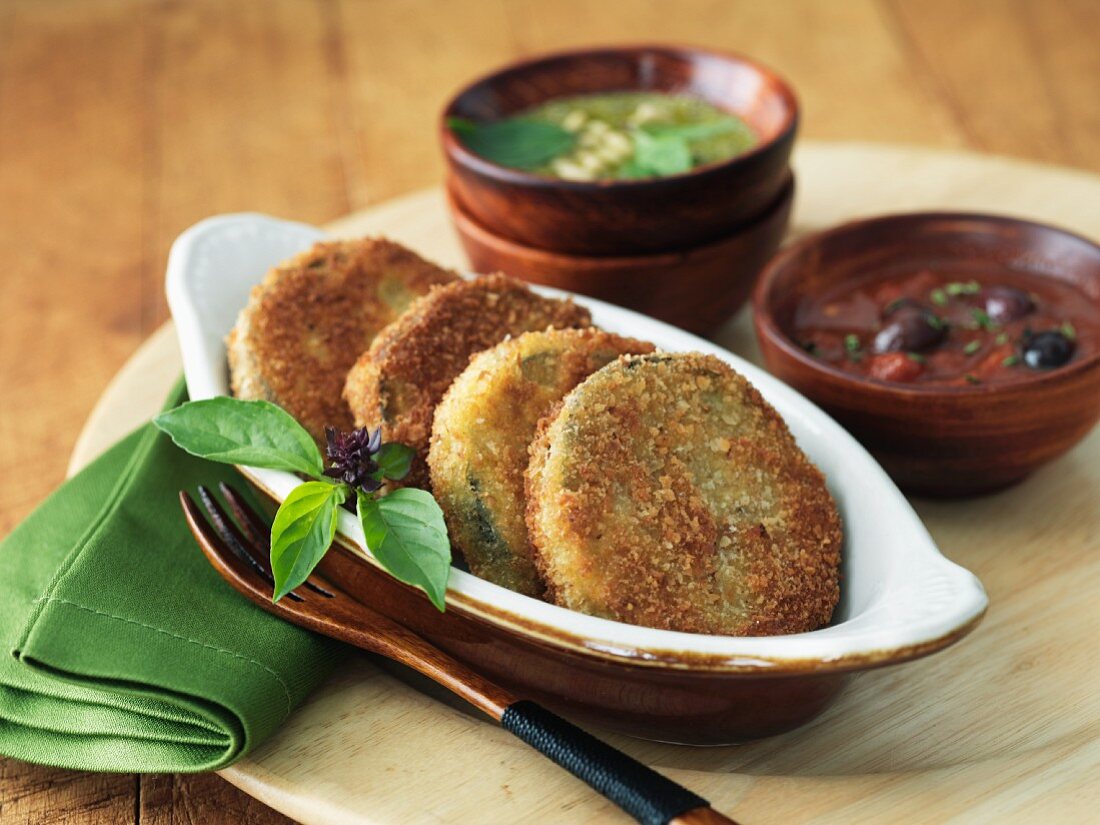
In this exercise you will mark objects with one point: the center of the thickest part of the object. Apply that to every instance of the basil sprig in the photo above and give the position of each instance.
(231, 431)
(404, 530)
(662, 149)
(517, 142)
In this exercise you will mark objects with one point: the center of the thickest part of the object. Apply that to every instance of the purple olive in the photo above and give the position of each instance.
(1047, 350)
(910, 329)
(1006, 303)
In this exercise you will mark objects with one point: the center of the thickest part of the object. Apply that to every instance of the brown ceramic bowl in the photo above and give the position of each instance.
(697, 289)
(939, 441)
(624, 217)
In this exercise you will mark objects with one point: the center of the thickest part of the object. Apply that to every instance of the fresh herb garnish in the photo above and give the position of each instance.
(302, 532)
(939, 297)
(982, 320)
(972, 379)
(1011, 361)
(972, 347)
(916, 356)
(969, 288)
(1068, 330)
(693, 131)
(853, 347)
(404, 529)
(255, 433)
(661, 155)
(516, 142)
(1001, 339)
(934, 321)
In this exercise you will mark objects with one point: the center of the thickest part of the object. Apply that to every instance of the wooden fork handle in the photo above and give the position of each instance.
(636, 788)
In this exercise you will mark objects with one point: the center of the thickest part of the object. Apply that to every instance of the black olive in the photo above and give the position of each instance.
(1047, 350)
(910, 329)
(1006, 303)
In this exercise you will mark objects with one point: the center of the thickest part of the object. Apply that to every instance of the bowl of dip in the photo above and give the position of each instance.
(962, 350)
(620, 150)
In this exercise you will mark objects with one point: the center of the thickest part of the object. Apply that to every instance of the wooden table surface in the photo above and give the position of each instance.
(124, 121)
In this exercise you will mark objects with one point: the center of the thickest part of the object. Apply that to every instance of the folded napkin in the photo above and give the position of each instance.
(129, 652)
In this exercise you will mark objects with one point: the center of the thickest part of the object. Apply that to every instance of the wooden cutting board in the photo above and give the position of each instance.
(1005, 726)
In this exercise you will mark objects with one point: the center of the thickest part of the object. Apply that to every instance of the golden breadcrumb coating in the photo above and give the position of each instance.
(664, 491)
(398, 381)
(483, 428)
(313, 315)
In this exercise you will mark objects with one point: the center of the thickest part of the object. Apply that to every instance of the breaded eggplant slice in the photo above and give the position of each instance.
(397, 383)
(483, 429)
(313, 315)
(665, 492)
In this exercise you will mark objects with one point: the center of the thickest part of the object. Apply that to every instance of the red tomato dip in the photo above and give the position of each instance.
(949, 325)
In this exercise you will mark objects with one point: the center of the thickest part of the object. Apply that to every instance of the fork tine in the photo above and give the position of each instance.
(227, 561)
(253, 525)
(232, 537)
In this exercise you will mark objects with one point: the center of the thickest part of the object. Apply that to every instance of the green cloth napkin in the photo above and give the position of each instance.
(129, 652)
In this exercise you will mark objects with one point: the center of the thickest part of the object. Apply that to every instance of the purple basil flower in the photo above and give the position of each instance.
(351, 457)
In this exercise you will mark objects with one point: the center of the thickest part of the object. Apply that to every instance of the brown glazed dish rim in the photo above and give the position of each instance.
(462, 156)
(496, 619)
(767, 326)
(595, 262)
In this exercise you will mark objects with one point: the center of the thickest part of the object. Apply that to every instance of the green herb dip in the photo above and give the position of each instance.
(618, 135)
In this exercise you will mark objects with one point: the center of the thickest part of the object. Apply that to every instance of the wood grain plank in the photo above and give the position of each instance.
(70, 208)
(200, 799)
(404, 59)
(1070, 67)
(988, 68)
(242, 111)
(36, 795)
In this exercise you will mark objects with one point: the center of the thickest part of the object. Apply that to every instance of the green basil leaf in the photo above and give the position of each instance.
(232, 431)
(516, 142)
(630, 169)
(662, 155)
(694, 131)
(394, 460)
(302, 532)
(405, 532)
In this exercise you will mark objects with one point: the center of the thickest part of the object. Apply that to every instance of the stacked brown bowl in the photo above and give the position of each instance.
(683, 248)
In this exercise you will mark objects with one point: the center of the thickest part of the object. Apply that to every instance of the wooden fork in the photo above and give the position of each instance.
(239, 551)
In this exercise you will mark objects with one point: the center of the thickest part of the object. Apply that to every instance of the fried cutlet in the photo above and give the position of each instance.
(397, 383)
(480, 437)
(665, 491)
(313, 315)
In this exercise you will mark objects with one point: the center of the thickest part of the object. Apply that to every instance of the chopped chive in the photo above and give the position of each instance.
(916, 356)
(935, 321)
(852, 345)
(982, 320)
(1068, 330)
(1011, 361)
(959, 288)
(972, 379)
(939, 297)
(972, 347)
(1001, 339)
